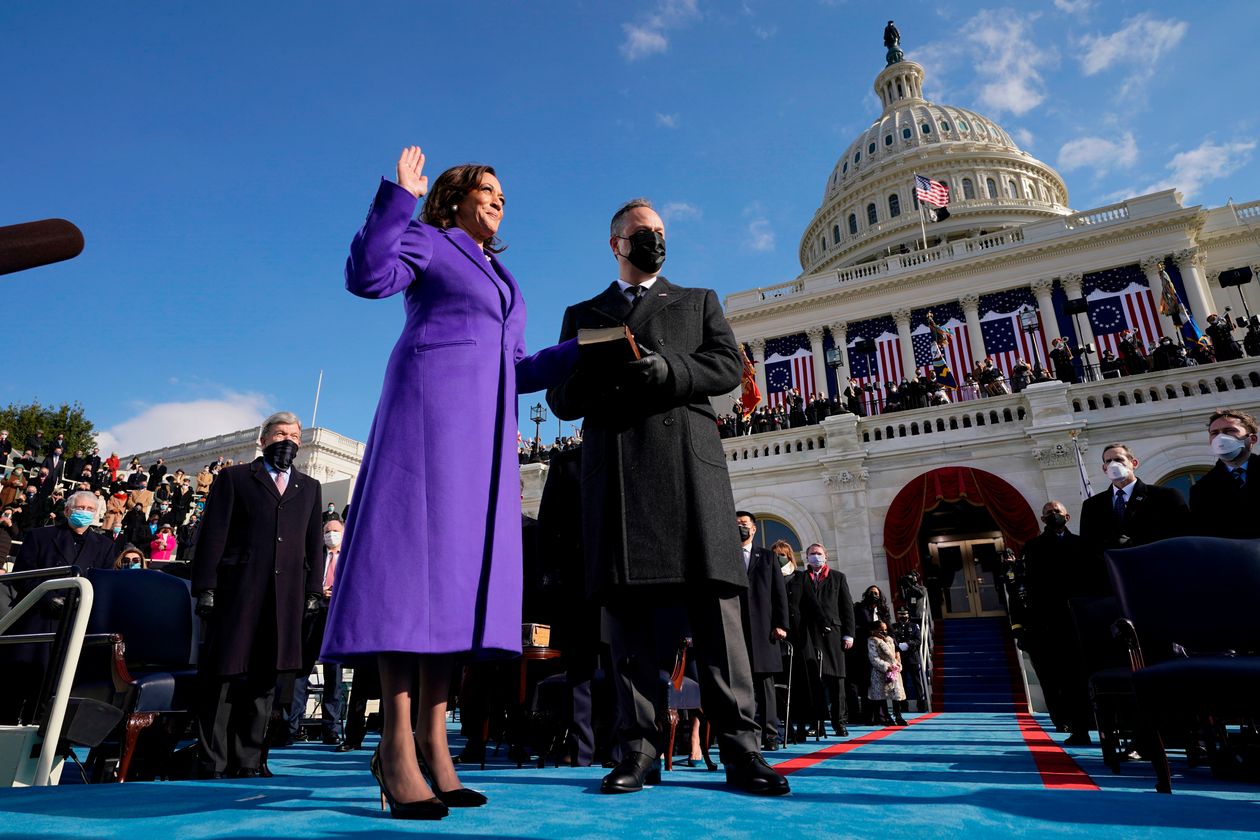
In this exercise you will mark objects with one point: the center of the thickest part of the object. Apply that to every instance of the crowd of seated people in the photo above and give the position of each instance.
(534, 451)
(152, 510)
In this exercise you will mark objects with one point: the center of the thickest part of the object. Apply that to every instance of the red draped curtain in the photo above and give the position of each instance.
(1008, 508)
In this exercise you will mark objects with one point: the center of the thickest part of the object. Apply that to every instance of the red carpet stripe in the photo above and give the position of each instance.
(787, 768)
(1058, 770)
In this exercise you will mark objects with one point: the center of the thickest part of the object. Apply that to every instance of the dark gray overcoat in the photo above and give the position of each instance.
(656, 496)
(826, 618)
(766, 607)
(256, 546)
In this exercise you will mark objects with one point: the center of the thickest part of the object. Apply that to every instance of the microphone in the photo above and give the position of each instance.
(39, 243)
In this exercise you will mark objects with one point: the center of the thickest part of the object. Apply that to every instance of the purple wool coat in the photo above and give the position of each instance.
(431, 556)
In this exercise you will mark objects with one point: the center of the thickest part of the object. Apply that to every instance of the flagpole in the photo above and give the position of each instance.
(922, 225)
(318, 386)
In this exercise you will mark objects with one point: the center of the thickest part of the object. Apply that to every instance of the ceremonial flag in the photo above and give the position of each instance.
(1171, 305)
(1111, 313)
(930, 191)
(940, 340)
(750, 395)
(936, 214)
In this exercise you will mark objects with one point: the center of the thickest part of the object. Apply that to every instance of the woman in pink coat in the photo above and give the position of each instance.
(163, 545)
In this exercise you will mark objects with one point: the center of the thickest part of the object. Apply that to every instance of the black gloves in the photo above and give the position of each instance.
(649, 370)
(312, 604)
(205, 604)
(54, 607)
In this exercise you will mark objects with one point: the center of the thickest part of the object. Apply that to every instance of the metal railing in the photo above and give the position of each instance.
(71, 638)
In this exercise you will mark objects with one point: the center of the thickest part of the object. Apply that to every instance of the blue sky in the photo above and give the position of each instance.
(220, 156)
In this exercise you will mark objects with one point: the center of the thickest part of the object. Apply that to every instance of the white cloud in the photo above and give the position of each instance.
(765, 32)
(680, 211)
(647, 37)
(1004, 55)
(1023, 137)
(1098, 153)
(169, 423)
(1073, 7)
(667, 120)
(1207, 162)
(1143, 42)
(641, 42)
(760, 236)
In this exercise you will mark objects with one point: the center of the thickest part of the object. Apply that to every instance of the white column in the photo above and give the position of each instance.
(758, 346)
(1190, 262)
(815, 335)
(1150, 267)
(840, 337)
(1041, 290)
(1072, 286)
(902, 317)
(975, 338)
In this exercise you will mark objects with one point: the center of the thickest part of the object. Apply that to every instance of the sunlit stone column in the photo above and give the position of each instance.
(758, 346)
(1150, 267)
(908, 367)
(975, 339)
(815, 335)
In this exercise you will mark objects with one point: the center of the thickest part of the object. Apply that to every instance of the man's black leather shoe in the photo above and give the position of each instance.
(346, 746)
(769, 744)
(751, 774)
(248, 773)
(634, 771)
(842, 731)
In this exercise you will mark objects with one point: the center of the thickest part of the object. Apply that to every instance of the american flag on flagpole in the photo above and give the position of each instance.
(930, 191)
(1004, 340)
(1121, 299)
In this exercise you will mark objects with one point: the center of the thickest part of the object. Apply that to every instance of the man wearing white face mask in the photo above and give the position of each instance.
(1224, 502)
(313, 641)
(1130, 512)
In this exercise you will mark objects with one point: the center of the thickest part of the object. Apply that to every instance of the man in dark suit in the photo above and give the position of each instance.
(259, 565)
(56, 465)
(826, 631)
(657, 510)
(1056, 568)
(1061, 358)
(70, 543)
(1130, 512)
(156, 473)
(1225, 502)
(765, 611)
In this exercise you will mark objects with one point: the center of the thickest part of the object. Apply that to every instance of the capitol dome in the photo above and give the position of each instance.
(869, 210)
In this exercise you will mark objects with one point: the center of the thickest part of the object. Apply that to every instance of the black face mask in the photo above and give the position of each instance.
(744, 533)
(280, 454)
(1054, 521)
(647, 250)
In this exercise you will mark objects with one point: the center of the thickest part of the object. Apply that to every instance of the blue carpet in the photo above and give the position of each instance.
(953, 775)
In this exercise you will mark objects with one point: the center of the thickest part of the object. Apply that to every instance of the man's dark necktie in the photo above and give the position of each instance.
(1120, 506)
(1240, 476)
(638, 293)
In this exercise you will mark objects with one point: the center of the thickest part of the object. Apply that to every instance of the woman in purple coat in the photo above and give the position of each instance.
(431, 558)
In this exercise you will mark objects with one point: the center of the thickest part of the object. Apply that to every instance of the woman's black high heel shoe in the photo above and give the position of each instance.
(458, 798)
(432, 808)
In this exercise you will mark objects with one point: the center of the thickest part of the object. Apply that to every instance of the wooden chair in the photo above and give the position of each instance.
(682, 693)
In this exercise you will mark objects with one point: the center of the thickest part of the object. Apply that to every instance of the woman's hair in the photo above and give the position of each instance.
(448, 190)
(877, 626)
(786, 548)
(129, 549)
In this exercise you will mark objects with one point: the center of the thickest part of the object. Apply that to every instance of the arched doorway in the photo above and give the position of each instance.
(953, 522)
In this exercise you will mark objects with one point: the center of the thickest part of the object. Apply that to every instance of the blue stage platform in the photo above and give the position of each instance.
(955, 774)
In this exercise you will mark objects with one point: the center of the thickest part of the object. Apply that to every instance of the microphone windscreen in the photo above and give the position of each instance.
(33, 244)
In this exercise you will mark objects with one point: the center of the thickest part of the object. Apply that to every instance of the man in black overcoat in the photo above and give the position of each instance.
(1226, 501)
(827, 631)
(258, 567)
(765, 625)
(70, 543)
(658, 516)
(1055, 569)
(1130, 512)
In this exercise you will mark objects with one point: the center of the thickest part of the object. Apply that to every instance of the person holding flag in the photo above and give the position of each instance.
(1170, 304)
(940, 338)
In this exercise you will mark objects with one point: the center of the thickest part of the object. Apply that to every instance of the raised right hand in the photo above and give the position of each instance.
(410, 169)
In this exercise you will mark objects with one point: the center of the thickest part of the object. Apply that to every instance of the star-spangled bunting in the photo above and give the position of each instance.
(789, 364)
(1119, 299)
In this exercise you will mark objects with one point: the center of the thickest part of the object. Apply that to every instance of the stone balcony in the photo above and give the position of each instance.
(1178, 399)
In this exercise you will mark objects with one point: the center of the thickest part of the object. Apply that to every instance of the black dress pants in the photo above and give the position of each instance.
(638, 631)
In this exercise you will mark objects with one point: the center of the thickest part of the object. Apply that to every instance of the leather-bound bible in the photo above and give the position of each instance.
(607, 346)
